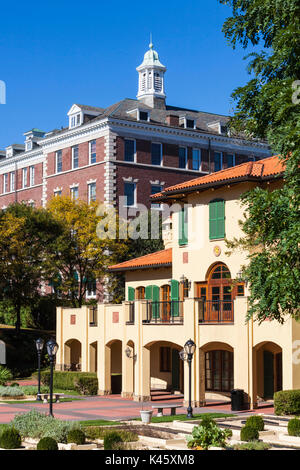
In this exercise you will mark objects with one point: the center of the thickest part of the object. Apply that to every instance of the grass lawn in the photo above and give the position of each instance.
(15, 402)
(169, 418)
(100, 422)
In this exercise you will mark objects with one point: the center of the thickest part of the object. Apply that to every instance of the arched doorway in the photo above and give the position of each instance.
(267, 370)
(72, 355)
(219, 369)
(115, 347)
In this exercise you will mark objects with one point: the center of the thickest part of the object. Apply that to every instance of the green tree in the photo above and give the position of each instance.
(27, 237)
(267, 107)
(80, 254)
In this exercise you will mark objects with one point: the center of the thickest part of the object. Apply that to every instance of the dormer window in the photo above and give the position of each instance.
(28, 145)
(75, 120)
(187, 122)
(190, 123)
(143, 116)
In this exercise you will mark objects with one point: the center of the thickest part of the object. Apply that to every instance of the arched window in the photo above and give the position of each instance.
(216, 219)
(140, 293)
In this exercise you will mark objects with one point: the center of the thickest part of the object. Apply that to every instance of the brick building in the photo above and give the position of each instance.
(134, 148)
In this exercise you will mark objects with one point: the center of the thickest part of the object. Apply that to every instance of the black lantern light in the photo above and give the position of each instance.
(189, 350)
(52, 348)
(39, 343)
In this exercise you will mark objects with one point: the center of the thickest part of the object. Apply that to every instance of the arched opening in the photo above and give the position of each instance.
(115, 347)
(128, 380)
(219, 370)
(216, 295)
(94, 356)
(166, 368)
(140, 293)
(72, 355)
(267, 370)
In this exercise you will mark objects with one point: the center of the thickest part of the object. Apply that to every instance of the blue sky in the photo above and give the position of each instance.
(57, 53)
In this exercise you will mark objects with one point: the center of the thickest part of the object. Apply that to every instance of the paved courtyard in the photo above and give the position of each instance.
(111, 407)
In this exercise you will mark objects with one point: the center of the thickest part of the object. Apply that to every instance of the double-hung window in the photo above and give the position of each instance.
(93, 154)
(74, 193)
(24, 177)
(218, 160)
(31, 175)
(129, 150)
(196, 162)
(91, 192)
(59, 161)
(5, 182)
(75, 157)
(156, 154)
(182, 157)
(155, 188)
(130, 192)
(230, 160)
(12, 181)
(216, 219)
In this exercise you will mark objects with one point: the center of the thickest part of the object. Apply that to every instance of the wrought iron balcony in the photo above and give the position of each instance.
(164, 312)
(215, 311)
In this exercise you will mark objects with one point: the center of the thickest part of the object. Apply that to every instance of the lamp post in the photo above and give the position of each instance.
(52, 348)
(39, 347)
(189, 350)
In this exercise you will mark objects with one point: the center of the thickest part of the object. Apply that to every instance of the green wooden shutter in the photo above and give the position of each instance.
(155, 301)
(131, 294)
(148, 293)
(217, 219)
(183, 227)
(175, 297)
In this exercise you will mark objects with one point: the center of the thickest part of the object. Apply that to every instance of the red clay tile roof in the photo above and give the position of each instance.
(249, 171)
(159, 258)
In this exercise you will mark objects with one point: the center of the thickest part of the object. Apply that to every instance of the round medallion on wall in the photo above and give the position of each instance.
(217, 250)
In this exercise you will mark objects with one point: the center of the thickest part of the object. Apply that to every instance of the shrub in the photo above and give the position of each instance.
(111, 440)
(77, 436)
(254, 445)
(294, 427)
(38, 425)
(47, 443)
(86, 385)
(11, 392)
(99, 432)
(287, 402)
(255, 422)
(10, 439)
(64, 380)
(14, 384)
(249, 434)
(33, 389)
(208, 435)
(5, 375)
(207, 421)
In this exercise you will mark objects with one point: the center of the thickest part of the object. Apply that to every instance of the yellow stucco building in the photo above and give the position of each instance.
(192, 289)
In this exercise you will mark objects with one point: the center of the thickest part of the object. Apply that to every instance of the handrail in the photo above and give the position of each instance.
(215, 311)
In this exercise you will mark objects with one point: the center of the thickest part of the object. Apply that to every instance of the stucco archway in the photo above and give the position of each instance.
(267, 370)
(72, 355)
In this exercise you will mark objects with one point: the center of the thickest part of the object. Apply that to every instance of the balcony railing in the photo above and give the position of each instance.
(215, 311)
(164, 312)
(130, 313)
(93, 315)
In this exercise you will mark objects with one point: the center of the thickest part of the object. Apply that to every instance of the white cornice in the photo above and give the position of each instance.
(36, 157)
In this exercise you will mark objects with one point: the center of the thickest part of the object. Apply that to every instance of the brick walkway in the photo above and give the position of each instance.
(111, 407)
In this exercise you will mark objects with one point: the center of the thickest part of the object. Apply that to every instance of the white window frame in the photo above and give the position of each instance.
(233, 160)
(28, 145)
(90, 185)
(91, 294)
(72, 190)
(56, 161)
(24, 177)
(161, 154)
(12, 181)
(134, 151)
(31, 175)
(74, 121)
(199, 160)
(139, 115)
(57, 193)
(221, 153)
(5, 183)
(90, 152)
(73, 151)
(185, 151)
(134, 194)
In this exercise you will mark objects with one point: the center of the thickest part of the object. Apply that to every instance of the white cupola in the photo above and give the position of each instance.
(151, 80)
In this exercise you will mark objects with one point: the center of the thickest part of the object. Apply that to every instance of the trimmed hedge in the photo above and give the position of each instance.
(287, 402)
(76, 436)
(87, 385)
(10, 439)
(255, 422)
(294, 427)
(47, 443)
(249, 434)
(65, 380)
(111, 439)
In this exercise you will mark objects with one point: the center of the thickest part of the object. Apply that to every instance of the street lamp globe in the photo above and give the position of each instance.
(190, 347)
(52, 348)
(39, 343)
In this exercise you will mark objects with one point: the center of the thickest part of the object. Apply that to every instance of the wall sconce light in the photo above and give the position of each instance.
(128, 353)
(184, 281)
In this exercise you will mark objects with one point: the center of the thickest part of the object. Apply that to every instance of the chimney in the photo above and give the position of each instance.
(172, 120)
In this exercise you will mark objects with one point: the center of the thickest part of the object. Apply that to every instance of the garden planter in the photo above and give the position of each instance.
(146, 416)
